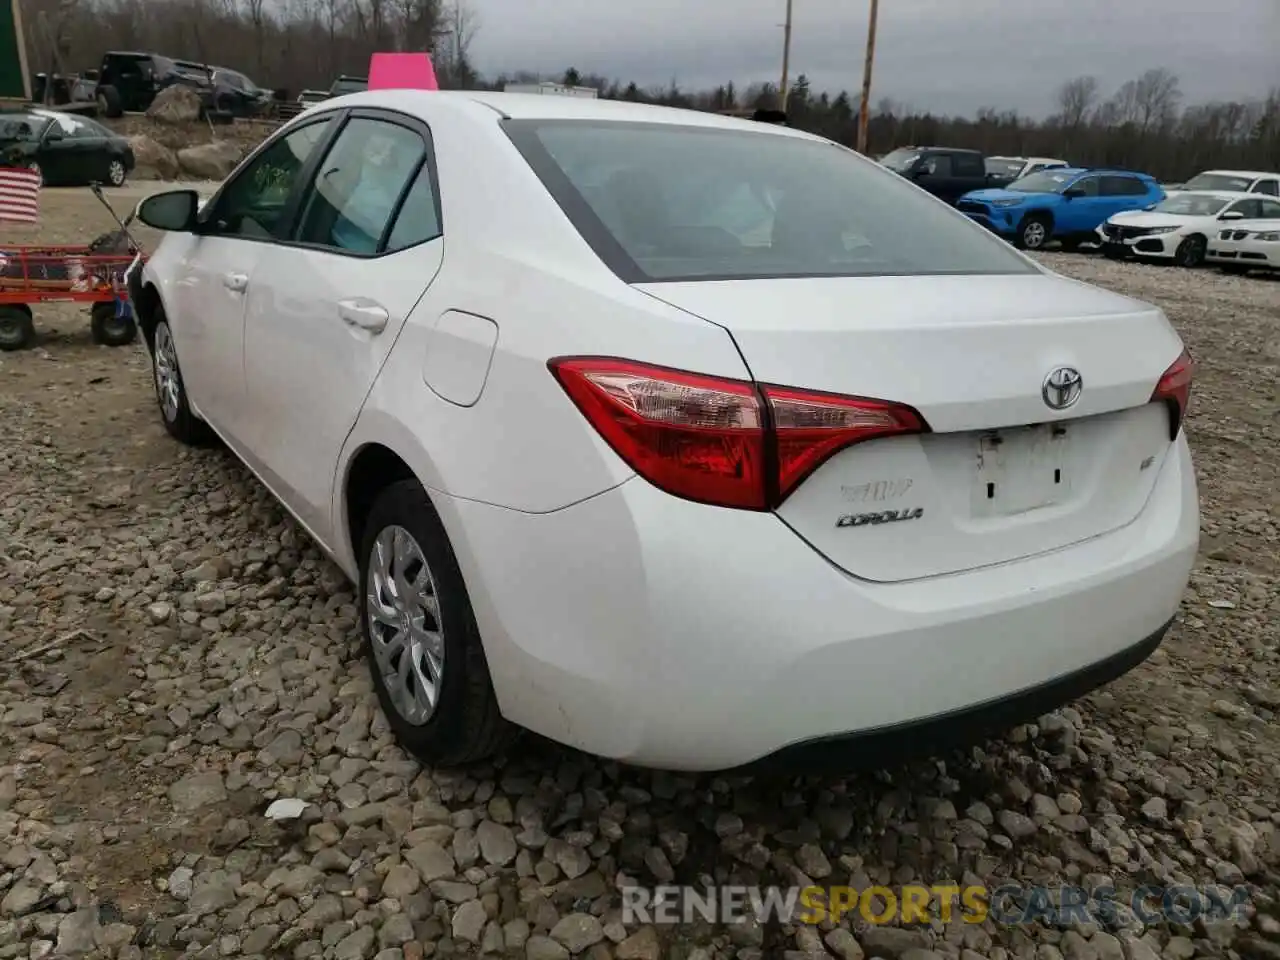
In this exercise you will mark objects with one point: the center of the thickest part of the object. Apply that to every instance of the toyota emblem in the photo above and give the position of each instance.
(1062, 388)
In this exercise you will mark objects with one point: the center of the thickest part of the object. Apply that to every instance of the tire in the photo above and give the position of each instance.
(171, 395)
(1034, 232)
(110, 330)
(116, 173)
(17, 329)
(463, 724)
(109, 103)
(1190, 252)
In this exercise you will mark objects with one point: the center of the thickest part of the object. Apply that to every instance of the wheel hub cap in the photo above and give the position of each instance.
(166, 367)
(404, 624)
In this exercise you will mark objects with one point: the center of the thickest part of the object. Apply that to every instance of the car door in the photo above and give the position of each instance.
(237, 229)
(56, 155)
(324, 310)
(87, 150)
(1083, 207)
(1248, 208)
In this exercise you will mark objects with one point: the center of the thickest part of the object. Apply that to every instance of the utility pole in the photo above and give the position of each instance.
(786, 60)
(865, 116)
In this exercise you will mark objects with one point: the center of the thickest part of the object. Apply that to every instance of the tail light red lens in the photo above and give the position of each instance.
(1174, 389)
(727, 442)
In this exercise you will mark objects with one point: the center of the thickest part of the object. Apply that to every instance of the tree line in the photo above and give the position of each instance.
(298, 44)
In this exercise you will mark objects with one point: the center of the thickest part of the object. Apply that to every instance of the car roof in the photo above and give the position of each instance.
(1239, 173)
(1218, 194)
(537, 106)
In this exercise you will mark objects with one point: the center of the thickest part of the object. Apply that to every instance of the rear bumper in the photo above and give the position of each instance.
(668, 634)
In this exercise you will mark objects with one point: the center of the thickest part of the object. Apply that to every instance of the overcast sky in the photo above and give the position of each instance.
(949, 56)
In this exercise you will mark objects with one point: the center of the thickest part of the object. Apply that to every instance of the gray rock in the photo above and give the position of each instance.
(196, 791)
(497, 843)
(641, 945)
(1017, 825)
(892, 942)
(539, 947)
(401, 882)
(77, 932)
(469, 921)
(432, 861)
(844, 944)
(357, 945)
(578, 931)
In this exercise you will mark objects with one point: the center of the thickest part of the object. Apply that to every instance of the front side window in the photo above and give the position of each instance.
(1088, 186)
(667, 202)
(1250, 209)
(359, 184)
(253, 204)
(1270, 210)
(938, 165)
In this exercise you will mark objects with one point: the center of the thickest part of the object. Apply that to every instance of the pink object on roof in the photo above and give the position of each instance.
(402, 71)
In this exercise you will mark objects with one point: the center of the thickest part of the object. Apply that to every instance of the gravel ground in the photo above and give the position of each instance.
(176, 656)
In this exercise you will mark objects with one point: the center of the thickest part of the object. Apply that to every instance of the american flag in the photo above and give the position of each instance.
(19, 195)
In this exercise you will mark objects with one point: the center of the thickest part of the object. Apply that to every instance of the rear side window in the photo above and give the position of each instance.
(1123, 187)
(661, 202)
(358, 185)
(1270, 210)
(968, 165)
(1269, 187)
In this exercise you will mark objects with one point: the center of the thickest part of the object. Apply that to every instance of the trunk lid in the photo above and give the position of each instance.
(1002, 475)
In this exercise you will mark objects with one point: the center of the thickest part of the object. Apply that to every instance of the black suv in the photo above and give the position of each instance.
(946, 172)
(130, 81)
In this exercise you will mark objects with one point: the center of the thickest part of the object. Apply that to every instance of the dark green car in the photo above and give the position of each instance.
(65, 148)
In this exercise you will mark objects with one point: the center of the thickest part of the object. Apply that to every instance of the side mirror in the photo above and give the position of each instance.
(1072, 193)
(173, 210)
(1232, 215)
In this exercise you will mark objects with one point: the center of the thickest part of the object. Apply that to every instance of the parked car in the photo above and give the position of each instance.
(1179, 227)
(1067, 204)
(612, 470)
(1247, 245)
(234, 94)
(63, 89)
(345, 84)
(65, 149)
(1233, 181)
(129, 81)
(1005, 170)
(946, 172)
(309, 97)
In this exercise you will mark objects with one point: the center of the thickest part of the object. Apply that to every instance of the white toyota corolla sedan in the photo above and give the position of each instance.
(683, 440)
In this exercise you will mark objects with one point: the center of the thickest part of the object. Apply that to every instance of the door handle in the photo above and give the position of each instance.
(364, 314)
(235, 282)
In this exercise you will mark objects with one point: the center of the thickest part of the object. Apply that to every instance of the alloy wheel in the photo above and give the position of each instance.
(405, 629)
(165, 362)
(115, 173)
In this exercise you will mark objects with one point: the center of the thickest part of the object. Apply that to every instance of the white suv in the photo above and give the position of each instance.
(684, 440)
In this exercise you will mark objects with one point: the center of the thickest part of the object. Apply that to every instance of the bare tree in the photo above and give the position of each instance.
(460, 23)
(1076, 98)
(1156, 95)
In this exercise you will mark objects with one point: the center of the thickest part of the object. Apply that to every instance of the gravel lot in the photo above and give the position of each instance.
(176, 655)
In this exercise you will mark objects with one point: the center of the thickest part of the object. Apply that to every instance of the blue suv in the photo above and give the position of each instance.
(1066, 204)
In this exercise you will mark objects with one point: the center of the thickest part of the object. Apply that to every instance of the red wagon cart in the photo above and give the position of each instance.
(95, 273)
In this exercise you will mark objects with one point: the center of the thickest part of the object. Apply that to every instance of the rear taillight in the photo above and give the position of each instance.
(732, 443)
(1174, 389)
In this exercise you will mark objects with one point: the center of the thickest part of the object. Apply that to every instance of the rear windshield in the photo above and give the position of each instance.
(1002, 167)
(1218, 181)
(661, 202)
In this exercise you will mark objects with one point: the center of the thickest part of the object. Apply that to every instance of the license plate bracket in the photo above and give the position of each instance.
(1020, 470)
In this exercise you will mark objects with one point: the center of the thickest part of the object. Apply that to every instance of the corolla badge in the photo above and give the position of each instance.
(1062, 388)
